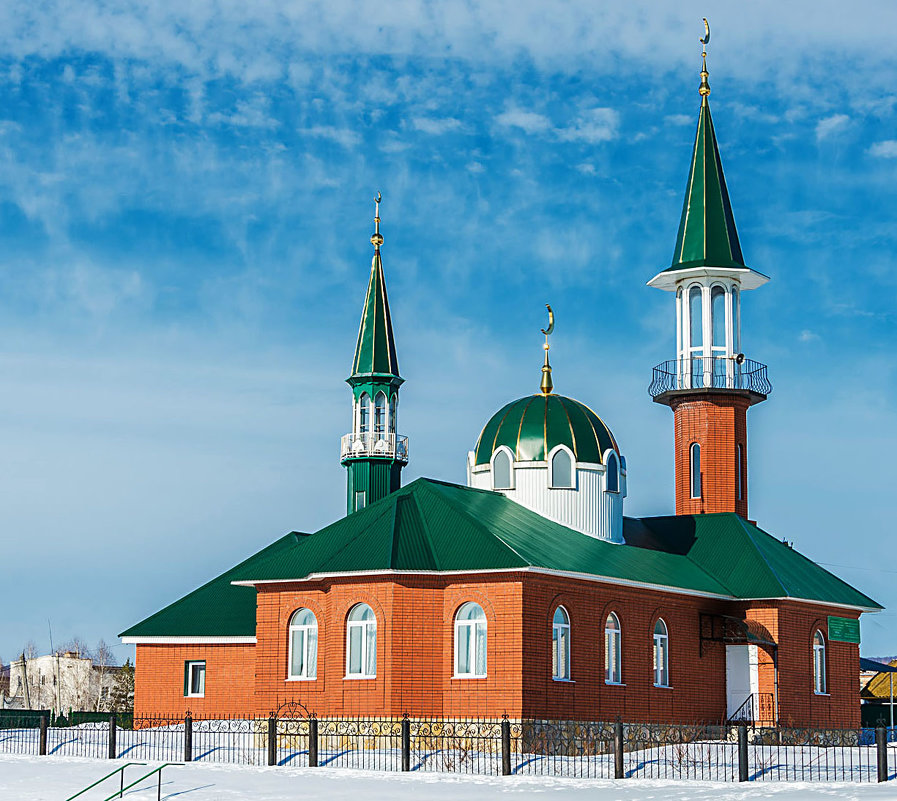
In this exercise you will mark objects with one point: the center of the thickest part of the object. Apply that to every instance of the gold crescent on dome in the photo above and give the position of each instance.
(706, 39)
(547, 331)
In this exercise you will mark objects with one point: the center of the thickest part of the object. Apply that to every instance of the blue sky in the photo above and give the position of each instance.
(185, 205)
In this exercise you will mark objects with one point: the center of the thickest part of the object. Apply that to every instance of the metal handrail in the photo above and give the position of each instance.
(709, 372)
(374, 443)
(143, 778)
(751, 711)
(115, 772)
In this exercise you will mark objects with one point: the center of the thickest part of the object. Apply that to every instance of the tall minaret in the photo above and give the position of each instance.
(709, 385)
(373, 453)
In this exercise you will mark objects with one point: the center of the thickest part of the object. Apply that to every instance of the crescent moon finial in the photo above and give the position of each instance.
(547, 385)
(377, 237)
(550, 328)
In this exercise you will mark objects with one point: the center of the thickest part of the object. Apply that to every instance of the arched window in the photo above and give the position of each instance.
(718, 317)
(380, 413)
(560, 645)
(696, 322)
(695, 461)
(361, 643)
(613, 650)
(562, 470)
(303, 645)
(502, 471)
(392, 414)
(612, 476)
(819, 663)
(470, 641)
(661, 654)
(364, 406)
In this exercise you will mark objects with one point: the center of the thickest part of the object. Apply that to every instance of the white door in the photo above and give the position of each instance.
(742, 677)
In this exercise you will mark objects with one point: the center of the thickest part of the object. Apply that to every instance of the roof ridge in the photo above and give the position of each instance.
(386, 509)
(426, 530)
(476, 522)
(742, 522)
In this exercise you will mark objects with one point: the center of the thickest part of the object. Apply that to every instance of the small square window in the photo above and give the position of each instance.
(194, 679)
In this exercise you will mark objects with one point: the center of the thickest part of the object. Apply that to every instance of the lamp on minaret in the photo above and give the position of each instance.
(373, 453)
(709, 385)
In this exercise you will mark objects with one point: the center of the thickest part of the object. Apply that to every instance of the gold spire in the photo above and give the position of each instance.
(704, 89)
(377, 237)
(546, 386)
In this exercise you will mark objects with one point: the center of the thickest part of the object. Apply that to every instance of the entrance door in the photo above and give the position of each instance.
(742, 678)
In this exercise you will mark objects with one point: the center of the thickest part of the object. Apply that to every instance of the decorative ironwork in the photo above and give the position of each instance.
(376, 444)
(715, 372)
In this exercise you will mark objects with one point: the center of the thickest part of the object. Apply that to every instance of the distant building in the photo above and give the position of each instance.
(58, 682)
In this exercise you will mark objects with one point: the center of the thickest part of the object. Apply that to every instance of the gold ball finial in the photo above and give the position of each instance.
(704, 89)
(377, 237)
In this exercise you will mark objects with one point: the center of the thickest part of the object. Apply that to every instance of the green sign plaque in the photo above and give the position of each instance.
(844, 629)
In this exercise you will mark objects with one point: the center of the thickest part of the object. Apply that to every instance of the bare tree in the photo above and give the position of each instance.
(103, 667)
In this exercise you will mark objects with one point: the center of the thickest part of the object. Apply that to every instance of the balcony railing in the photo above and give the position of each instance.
(713, 372)
(373, 443)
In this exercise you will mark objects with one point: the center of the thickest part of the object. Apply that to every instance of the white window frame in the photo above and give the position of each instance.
(507, 450)
(363, 625)
(189, 667)
(613, 650)
(661, 642)
(551, 482)
(820, 684)
(380, 423)
(306, 629)
(558, 631)
(361, 499)
(473, 639)
(363, 425)
(739, 472)
(724, 349)
(692, 474)
(611, 454)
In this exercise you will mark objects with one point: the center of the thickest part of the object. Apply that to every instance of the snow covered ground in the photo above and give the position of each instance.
(26, 778)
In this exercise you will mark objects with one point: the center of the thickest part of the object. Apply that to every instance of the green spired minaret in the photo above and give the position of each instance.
(374, 454)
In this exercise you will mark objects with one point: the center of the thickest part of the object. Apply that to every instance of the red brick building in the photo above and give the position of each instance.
(528, 593)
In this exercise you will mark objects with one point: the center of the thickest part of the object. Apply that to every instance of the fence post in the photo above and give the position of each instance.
(881, 746)
(44, 727)
(313, 741)
(618, 751)
(272, 740)
(742, 752)
(188, 738)
(112, 727)
(505, 746)
(406, 743)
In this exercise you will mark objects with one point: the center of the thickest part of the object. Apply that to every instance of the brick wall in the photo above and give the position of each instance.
(718, 423)
(159, 680)
(415, 654)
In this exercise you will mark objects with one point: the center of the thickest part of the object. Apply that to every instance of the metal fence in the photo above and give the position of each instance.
(473, 746)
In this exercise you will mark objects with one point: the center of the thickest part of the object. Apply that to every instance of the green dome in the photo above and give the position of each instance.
(531, 427)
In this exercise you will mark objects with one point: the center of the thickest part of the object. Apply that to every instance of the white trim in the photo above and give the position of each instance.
(364, 626)
(188, 679)
(485, 468)
(552, 453)
(506, 450)
(188, 640)
(472, 624)
(670, 280)
(550, 572)
(306, 629)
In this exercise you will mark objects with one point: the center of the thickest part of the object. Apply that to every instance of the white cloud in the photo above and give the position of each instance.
(436, 126)
(528, 121)
(808, 336)
(593, 125)
(586, 168)
(342, 136)
(678, 119)
(830, 126)
(886, 149)
(475, 167)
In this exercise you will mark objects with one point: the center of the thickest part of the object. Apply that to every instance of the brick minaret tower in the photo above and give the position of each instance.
(374, 454)
(709, 385)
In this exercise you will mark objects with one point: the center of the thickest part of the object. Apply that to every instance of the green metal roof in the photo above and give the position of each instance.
(375, 352)
(707, 235)
(432, 526)
(217, 609)
(532, 426)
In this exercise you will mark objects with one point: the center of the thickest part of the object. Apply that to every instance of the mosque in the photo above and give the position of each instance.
(528, 592)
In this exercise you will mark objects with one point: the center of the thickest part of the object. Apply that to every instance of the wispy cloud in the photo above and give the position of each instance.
(342, 136)
(830, 126)
(592, 126)
(530, 122)
(436, 126)
(886, 149)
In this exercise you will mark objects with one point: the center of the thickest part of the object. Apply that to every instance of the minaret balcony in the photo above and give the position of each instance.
(374, 444)
(710, 373)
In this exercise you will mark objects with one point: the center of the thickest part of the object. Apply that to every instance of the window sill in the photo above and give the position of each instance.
(614, 684)
(359, 678)
(301, 678)
(469, 678)
(663, 687)
(195, 696)
(822, 695)
(563, 681)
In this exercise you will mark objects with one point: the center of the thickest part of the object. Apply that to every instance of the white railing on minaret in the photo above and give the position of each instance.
(372, 443)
